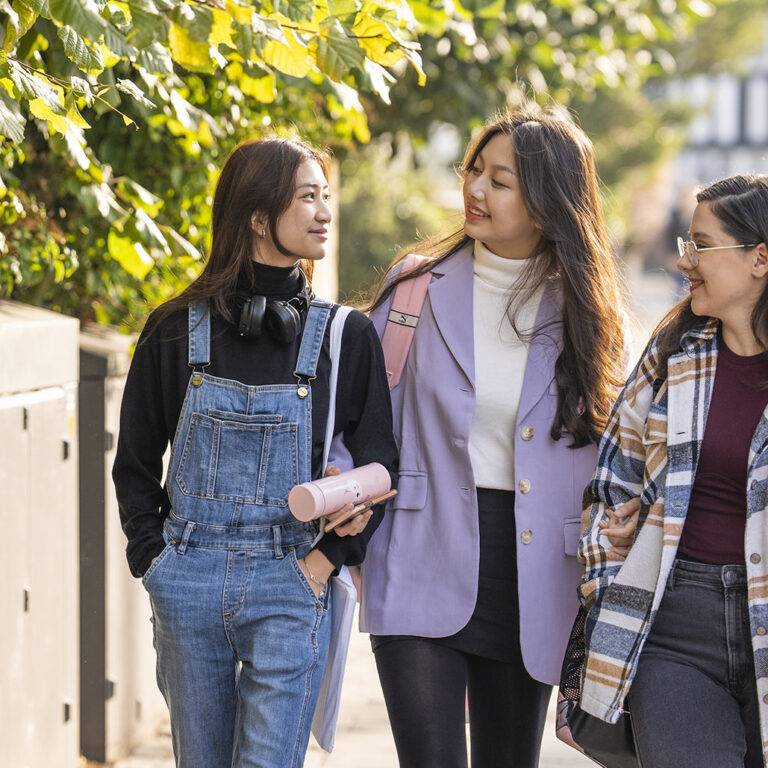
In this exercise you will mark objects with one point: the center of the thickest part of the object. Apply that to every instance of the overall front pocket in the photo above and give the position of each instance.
(228, 460)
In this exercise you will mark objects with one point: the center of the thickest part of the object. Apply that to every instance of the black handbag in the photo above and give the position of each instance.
(609, 745)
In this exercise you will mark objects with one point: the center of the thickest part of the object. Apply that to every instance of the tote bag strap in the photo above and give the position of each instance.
(337, 330)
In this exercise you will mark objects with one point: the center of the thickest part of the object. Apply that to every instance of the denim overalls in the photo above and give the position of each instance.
(241, 639)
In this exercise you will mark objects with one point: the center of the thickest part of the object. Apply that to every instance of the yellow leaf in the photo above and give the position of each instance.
(7, 83)
(127, 120)
(221, 34)
(292, 59)
(307, 25)
(375, 38)
(185, 51)
(415, 60)
(239, 13)
(42, 111)
(109, 58)
(74, 117)
(204, 134)
(262, 88)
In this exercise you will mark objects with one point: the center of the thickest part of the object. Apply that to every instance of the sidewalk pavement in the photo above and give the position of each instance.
(363, 736)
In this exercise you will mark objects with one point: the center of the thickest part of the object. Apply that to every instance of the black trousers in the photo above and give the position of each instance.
(424, 684)
(425, 679)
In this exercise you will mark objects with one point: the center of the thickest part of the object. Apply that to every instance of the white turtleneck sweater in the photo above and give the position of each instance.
(500, 360)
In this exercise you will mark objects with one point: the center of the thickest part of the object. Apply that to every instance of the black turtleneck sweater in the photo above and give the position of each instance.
(157, 384)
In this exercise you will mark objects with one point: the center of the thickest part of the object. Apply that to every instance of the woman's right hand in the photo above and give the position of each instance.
(620, 526)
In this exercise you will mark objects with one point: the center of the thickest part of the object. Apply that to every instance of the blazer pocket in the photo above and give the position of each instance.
(571, 536)
(411, 490)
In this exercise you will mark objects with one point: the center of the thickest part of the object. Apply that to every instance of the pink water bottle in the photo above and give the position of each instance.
(329, 494)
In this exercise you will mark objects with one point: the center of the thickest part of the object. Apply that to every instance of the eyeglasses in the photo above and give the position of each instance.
(691, 250)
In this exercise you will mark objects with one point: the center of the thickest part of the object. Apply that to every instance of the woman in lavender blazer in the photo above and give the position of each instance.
(470, 581)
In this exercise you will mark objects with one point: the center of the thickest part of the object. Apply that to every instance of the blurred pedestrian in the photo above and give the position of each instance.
(234, 373)
(676, 632)
(470, 581)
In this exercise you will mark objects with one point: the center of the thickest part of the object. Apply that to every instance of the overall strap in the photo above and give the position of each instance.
(199, 353)
(312, 340)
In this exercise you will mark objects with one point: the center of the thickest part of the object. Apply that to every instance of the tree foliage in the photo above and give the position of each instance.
(595, 59)
(116, 113)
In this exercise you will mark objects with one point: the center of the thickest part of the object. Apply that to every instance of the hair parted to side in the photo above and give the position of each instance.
(741, 204)
(258, 177)
(556, 170)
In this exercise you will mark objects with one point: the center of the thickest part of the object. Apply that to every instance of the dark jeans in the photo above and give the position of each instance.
(694, 699)
(424, 684)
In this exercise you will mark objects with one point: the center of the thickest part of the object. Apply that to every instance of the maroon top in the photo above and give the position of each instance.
(717, 513)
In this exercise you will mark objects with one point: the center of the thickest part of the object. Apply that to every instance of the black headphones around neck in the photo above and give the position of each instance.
(281, 319)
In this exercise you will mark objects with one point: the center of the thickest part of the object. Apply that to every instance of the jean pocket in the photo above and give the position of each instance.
(304, 581)
(156, 563)
(245, 461)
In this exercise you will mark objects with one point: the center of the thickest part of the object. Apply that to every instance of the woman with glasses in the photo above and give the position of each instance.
(677, 632)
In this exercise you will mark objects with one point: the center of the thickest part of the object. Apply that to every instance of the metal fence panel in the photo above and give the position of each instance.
(39, 726)
(121, 706)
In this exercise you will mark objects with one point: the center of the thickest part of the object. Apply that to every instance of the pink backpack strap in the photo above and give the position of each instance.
(403, 317)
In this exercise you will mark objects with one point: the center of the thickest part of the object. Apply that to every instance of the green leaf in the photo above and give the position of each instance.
(295, 10)
(335, 53)
(75, 144)
(147, 24)
(132, 257)
(41, 6)
(20, 19)
(79, 52)
(180, 246)
(129, 87)
(155, 58)
(116, 41)
(82, 15)
(99, 198)
(242, 37)
(378, 79)
(12, 122)
(149, 233)
(196, 20)
(32, 87)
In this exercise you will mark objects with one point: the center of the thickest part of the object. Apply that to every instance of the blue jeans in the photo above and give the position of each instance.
(694, 699)
(241, 647)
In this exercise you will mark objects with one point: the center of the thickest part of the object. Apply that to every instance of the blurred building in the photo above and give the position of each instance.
(728, 134)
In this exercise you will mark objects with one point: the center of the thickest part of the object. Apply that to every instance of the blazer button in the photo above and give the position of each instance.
(526, 536)
(526, 432)
(754, 558)
(761, 631)
(753, 485)
(524, 485)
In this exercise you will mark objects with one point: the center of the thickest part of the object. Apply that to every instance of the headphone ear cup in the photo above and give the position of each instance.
(282, 321)
(252, 317)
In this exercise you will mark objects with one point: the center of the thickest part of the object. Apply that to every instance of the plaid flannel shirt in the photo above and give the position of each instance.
(650, 449)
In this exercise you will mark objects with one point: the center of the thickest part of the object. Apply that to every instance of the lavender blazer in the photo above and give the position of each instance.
(420, 574)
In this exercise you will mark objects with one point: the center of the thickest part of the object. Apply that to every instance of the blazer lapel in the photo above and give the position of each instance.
(545, 349)
(450, 296)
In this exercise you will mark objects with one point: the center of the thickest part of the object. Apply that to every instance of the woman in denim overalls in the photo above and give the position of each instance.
(235, 371)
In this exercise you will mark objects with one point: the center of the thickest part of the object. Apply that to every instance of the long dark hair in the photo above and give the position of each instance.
(741, 205)
(559, 185)
(259, 176)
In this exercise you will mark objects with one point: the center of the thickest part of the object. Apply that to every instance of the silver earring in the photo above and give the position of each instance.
(263, 233)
